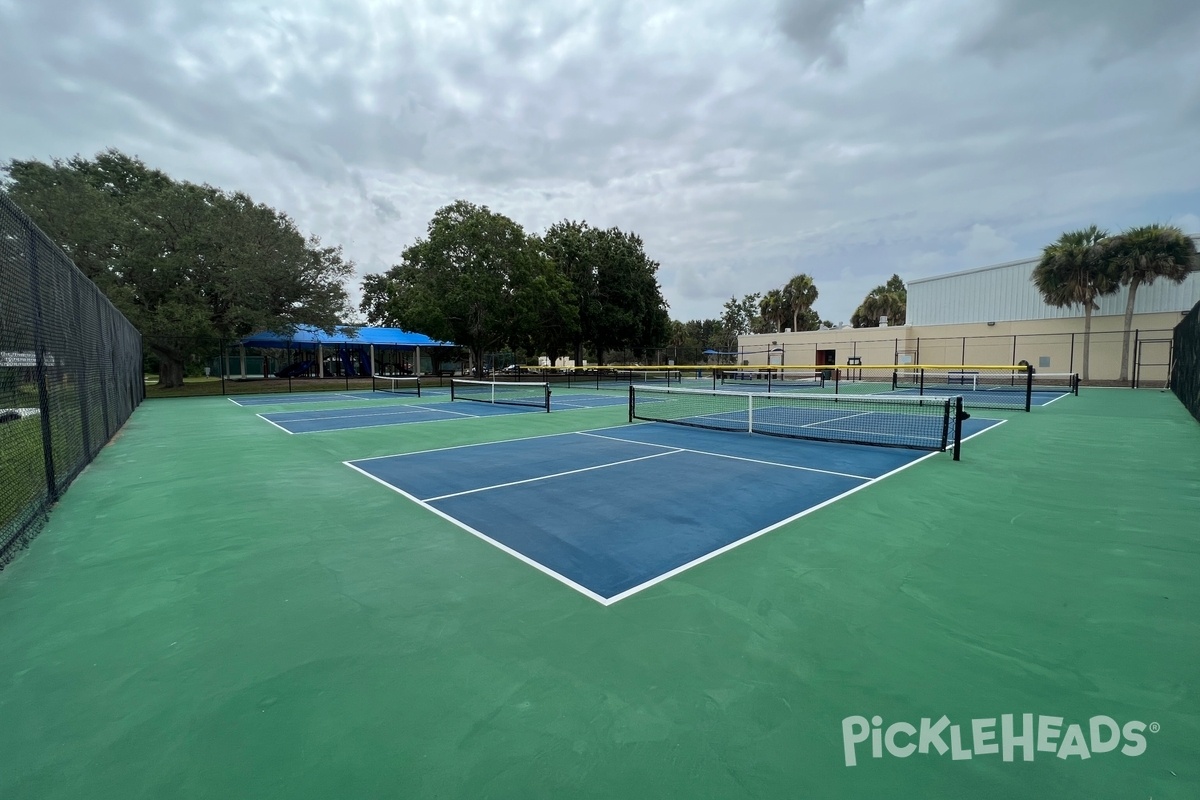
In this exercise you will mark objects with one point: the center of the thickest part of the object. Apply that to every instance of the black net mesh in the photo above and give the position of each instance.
(70, 375)
(1185, 371)
(920, 423)
(512, 393)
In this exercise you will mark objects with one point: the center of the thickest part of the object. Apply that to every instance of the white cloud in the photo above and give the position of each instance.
(982, 245)
(744, 143)
(1189, 223)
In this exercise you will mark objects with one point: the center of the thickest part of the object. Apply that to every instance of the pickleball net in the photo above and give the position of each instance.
(919, 423)
(986, 387)
(771, 380)
(403, 386)
(511, 393)
(639, 375)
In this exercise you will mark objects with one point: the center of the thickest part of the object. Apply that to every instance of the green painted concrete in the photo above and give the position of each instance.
(220, 610)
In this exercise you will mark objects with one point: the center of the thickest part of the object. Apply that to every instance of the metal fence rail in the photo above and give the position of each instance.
(1185, 371)
(70, 375)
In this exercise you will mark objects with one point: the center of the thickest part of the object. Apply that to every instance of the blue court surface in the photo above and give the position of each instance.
(990, 396)
(283, 399)
(341, 419)
(612, 511)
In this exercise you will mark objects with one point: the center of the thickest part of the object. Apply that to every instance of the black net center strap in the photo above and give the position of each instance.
(535, 395)
(406, 386)
(921, 423)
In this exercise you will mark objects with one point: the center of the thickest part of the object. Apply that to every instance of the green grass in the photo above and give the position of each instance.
(22, 473)
(23, 468)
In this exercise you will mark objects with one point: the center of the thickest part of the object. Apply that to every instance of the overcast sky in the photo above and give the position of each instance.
(745, 142)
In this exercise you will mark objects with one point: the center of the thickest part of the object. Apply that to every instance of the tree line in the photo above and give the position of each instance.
(477, 278)
(187, 262)
(1084, 265)
(183, 262)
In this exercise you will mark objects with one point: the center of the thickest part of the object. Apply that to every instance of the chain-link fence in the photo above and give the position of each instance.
(1185, 372)
(1048, 352)
(70, 375)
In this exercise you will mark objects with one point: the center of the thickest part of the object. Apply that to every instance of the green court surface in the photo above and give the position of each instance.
(221, 610)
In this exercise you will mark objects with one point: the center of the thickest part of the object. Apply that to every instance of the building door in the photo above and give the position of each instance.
(827, 357)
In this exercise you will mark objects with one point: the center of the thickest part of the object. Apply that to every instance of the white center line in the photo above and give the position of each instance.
(735, 458)
(547, 477)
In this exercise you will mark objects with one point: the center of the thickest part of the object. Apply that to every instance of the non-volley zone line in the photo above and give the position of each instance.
(343, 419)
(599, 513)
(340, 419)
(283, 399)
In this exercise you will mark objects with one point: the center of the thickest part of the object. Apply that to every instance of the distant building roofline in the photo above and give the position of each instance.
(1195, 237)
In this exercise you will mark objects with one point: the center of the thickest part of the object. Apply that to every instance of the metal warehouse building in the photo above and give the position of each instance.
(995, 315)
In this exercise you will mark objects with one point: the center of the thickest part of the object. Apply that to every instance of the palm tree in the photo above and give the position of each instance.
(799, 294)
(1139, 256)
(772, 309)
(887, 300)
(1072, 272)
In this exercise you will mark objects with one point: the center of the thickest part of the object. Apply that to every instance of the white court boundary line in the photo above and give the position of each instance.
(708, 556)
(285, 430)
(1055, 400)
(459, 446)
(552, 475)
(356, 427)
(514, 553)
(657, 579)
(322, 395)
(426, 421)
(731, 457)
(384, 411)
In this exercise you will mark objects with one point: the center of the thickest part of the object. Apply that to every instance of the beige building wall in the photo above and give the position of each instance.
(1051, 345)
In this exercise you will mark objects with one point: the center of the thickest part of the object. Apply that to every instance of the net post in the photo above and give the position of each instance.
(547, 397)
(418, 386)
(837, 380)
(631, 403)
(749, 413)
(921, 381)
(895, 379)
(958, 421)
(452, 389)
(1028, 387)
(1137, 359)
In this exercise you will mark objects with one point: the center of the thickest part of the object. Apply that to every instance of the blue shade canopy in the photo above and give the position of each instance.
(343, 335)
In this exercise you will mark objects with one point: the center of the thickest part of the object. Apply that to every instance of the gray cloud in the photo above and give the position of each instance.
(813, 26)
(1118, 29)
(744, 143)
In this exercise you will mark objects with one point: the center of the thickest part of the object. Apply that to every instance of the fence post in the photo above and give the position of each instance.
(108, 336)
(39, 355)
(80, 377)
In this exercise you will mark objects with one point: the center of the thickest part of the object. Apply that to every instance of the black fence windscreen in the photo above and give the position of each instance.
(1185, 371)
(70, 375)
